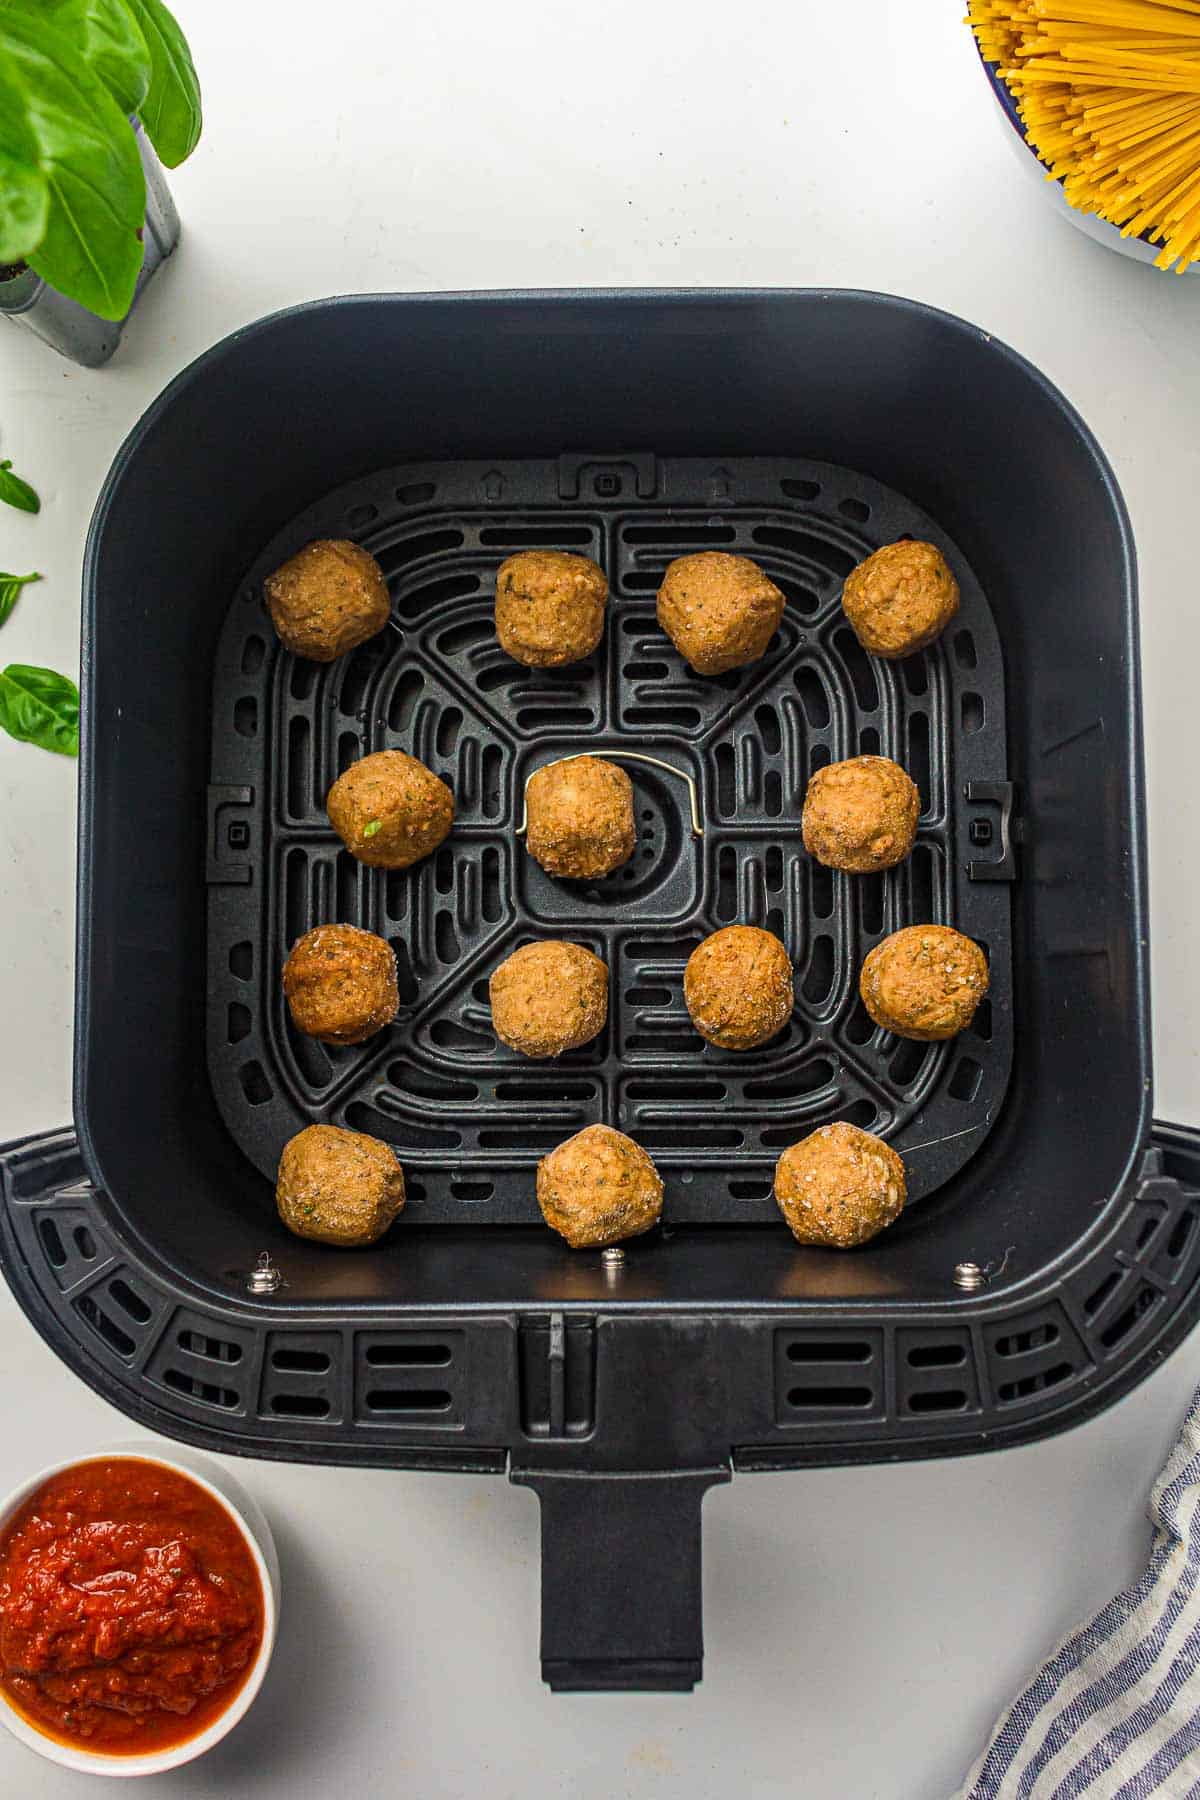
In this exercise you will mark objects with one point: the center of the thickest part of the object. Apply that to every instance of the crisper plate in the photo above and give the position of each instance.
(468, 1117)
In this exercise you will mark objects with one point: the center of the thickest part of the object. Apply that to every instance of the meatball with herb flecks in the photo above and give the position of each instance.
(738, 987)
(579, 817)
(550, 607)
(598, 1188)
(839, 1187)
(549, 997)
(337, 1186)
(719, 611)
(340, 984)
(860, 815)
(327, 599)
(924, 982)
(390, 810)
(901, 598)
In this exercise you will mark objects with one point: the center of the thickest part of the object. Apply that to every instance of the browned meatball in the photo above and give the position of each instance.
(550, 607)
(598, 1188)
(738, 987)
(327, 599)
(549, 997)
(340, 984)
(390, 810)
(861, 815)
(719, 611)
(901, 598)
(579, 816)
(337, 1186)
(924, 982)
(839, 1187)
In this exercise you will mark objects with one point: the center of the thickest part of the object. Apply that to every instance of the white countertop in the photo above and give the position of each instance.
(862, 1626)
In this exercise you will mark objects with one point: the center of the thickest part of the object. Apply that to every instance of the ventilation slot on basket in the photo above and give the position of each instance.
(938, 1400)
(407, 1400)
(52, 1244)
(827, 1373)
(404, 1356)
(210, 1349)
(69, 1247)
(105, 1326)
(1019, 1343)
(207, 1393)
(1026, 1385)
(300, 1406)
(405, 1378)
(1146, 1301)
(300, 1362)
(1034, 1353)
(301, 1376)
(815, 1350)
(839, 1398)
(935, 1372)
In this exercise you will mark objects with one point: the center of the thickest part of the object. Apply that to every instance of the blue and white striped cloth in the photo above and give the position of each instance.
(1115, 1712)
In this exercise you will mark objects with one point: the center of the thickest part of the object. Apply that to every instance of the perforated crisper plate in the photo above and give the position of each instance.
(469, 1118)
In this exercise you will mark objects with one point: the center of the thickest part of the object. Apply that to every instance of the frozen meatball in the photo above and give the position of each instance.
(579, 815)
(901, 598)
(550, 607)
(861, 815)
(598, 1188)
(549, 997)
(839, 1187)
(337, 1186)
(719, 611)
(924, 982)
(327, 599)
(738, 987)
(340, 984)
(390, 810)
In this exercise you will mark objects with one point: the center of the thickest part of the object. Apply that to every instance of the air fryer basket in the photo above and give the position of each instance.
(802, 428)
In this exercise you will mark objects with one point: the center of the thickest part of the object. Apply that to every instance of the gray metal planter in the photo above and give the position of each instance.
(66, 326)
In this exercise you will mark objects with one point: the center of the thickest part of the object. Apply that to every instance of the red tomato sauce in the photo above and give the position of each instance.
(131, 1611)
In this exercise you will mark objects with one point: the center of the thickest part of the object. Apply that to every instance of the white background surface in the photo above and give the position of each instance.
(863, 1626)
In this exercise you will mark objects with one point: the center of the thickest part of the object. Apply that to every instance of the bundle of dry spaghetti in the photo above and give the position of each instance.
(1109, 94)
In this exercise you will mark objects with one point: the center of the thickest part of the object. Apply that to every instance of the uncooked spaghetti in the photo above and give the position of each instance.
(1109, 94)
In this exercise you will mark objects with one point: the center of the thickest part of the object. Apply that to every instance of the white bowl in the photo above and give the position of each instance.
(1099, 230)
(248, 1516)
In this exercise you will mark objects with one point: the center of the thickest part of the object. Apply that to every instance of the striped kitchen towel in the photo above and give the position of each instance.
(1115, 1713)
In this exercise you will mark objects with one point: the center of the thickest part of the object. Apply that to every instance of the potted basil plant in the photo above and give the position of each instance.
(95, 96)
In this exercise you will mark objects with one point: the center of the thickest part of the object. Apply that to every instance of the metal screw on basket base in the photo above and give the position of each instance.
(969, 1275)
(613, 1260)
(264, 1277)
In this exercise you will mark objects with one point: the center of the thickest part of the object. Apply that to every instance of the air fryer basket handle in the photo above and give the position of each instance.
(621, 1599)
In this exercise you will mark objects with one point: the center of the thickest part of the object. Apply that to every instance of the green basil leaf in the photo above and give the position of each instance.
(40, 706)
(171, 109)
(10, 591)
(109, 39)
(24, 195)
(91, 249)
(15, 492)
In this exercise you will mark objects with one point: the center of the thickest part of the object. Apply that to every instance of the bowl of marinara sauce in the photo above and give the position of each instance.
(139, 1593)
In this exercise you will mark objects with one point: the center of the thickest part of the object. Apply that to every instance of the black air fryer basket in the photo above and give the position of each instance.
(802, 429)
